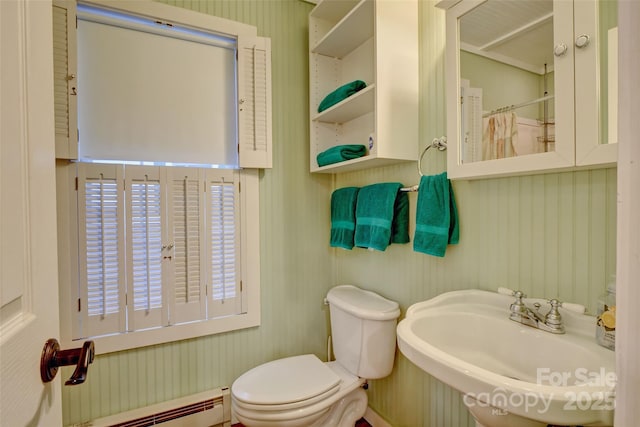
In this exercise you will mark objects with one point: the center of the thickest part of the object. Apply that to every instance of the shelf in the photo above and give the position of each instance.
(375, 41)
(353, 30)
(357, 164)
(333, 10)
(354, 106)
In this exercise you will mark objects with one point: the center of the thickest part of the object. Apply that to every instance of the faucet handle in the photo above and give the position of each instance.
(554, 307)
(553, 319)
(577, 308)
(519, 295)
(518, 306)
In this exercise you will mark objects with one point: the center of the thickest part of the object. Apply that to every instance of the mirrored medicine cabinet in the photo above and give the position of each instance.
(531, 86)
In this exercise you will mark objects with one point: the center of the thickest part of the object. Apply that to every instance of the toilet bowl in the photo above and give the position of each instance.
(298, 391)
(303, 391)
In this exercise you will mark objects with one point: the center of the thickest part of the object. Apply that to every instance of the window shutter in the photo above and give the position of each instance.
(186, 234)
(101, 236)
(65, 72)
(224, 243)
(144, 198)
(254, 109)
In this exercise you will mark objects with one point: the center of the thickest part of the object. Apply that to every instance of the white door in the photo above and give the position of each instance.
(28, 251)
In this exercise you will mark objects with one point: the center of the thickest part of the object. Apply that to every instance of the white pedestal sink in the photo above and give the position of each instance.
(511, 374)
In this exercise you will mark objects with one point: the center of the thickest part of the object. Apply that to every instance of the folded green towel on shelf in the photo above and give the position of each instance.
(436, 216)
(343, 92)
(340, 153)
(343, 217)
(382, 216)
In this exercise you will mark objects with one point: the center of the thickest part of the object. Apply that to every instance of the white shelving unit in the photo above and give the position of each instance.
(376, 42)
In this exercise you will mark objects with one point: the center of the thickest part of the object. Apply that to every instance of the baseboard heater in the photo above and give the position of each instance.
(207, 409)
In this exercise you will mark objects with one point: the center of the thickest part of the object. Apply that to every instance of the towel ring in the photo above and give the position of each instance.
(439, 143)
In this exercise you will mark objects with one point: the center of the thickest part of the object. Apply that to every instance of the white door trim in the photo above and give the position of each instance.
(628, 238)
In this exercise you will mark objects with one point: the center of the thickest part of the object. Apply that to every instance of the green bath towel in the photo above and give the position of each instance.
(382, 216)
(400, 223)
(436, 216)
(343, 92)
(343, 217)
(340, 153)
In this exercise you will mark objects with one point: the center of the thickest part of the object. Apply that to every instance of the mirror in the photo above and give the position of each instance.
(507, 59)
(507, 80)
(608, 64)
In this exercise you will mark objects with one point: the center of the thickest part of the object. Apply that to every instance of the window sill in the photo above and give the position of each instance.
(131, 340)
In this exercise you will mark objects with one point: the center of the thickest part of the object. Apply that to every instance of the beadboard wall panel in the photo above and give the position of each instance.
(547, 235)
(296, 262)
(550, 235)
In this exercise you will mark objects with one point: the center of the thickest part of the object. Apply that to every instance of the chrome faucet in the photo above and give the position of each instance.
(550, 322)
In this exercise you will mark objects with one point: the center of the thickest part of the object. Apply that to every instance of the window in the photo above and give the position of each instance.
(159, 246)
(145, 84)
(159, 252)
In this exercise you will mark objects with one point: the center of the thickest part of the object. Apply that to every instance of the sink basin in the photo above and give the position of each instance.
(511, 374)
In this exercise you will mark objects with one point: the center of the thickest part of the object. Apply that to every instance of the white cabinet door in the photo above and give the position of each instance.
(545, 73)
(511, 61)
(596, 81)
(28, 252)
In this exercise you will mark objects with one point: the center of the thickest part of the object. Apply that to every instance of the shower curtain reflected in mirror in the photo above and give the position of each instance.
(500, 136)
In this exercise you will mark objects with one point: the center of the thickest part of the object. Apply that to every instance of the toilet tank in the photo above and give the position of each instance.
(363, 326)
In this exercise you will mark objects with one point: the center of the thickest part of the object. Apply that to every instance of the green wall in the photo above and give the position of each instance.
(296, 262)
(549, 235)
(502, 85)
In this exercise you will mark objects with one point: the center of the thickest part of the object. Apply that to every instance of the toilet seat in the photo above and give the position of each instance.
(285, 384)
(298, 412)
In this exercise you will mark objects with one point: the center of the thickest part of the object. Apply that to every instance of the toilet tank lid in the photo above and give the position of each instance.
(362, 303)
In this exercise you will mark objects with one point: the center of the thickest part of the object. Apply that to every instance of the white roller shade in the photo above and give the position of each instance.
(149, 97)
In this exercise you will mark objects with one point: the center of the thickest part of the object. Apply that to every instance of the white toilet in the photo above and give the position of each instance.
(304, 391)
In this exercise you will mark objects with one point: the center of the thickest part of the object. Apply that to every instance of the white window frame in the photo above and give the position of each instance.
(254, 114)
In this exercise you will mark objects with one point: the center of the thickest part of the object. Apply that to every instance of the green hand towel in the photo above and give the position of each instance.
(436, 216)
(340, 153)
(343, 217)
(382, 216)
(400, 223)
(343, 92)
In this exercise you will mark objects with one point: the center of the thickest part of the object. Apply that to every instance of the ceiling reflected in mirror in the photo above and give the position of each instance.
(519, 33)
